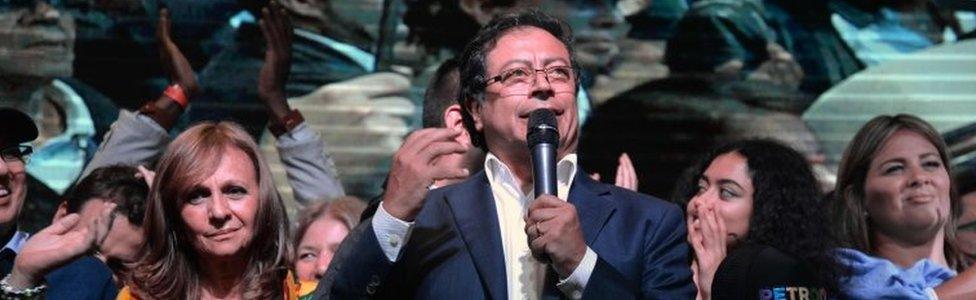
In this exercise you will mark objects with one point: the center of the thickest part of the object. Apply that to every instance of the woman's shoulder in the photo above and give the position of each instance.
(874, 277)
(299, 290)
(752, 270)
(126, 294)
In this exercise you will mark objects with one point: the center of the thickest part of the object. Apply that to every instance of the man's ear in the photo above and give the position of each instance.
(474, 107)
(61, 212)
(453, 119)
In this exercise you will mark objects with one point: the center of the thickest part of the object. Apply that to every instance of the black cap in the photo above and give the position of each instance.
(17, 128)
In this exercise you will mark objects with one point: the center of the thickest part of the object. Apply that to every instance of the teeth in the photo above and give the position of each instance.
(4, 192)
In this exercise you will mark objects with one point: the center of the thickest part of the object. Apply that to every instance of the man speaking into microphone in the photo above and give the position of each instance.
(490, 237)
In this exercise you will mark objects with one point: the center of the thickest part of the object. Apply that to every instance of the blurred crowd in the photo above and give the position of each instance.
(158, 149)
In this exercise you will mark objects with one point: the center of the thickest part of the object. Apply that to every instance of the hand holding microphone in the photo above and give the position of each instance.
(551, 224)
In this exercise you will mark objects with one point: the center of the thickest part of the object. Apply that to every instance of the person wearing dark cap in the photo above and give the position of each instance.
(17, 129)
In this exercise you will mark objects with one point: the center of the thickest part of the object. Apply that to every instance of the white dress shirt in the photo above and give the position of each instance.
(525, 276)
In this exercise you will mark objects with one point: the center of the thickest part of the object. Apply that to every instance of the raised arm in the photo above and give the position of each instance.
(139, 138)
(311, 172)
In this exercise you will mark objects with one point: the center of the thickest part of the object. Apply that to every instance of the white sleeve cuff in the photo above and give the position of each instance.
(573, 285)
(300, 133)
(391, 232)
(931, 293)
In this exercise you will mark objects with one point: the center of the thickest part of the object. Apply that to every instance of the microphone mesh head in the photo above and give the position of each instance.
(542, 128)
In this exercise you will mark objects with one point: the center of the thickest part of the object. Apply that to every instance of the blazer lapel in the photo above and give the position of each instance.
(593, 205)
(474, 212)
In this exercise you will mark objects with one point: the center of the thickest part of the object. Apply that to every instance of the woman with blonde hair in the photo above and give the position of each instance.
(896, 210)
(215, 225)
(321, 228)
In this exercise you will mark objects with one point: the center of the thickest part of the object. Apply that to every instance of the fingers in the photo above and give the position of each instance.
(542, 214)
(422, 139)
(595, 176)
(101, 226)
(709, 228)
(437, 149)
(146, 174)
(63, 224)
(626, 175)
(545, 201)
(276, 28)
(162, 26)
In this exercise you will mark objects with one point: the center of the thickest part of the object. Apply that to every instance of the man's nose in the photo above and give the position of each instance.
(542, 88)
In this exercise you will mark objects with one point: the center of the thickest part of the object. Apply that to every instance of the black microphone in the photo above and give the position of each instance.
(543, 139)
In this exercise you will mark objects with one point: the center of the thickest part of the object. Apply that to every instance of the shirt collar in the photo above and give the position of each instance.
(499, 173)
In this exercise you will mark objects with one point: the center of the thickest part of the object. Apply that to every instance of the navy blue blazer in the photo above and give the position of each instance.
(454, 250)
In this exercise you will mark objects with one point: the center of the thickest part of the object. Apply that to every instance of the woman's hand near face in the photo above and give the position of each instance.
(708, 238)
(58, 244)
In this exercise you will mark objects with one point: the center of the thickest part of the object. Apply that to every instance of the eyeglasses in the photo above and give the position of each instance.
(525, 76)
(18, 153)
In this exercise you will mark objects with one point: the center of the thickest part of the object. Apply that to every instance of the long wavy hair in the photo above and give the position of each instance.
(169, 267)
(788, 209)
(849, 205)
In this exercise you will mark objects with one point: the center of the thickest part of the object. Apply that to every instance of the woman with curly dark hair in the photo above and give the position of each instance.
(897, 210)
(757, 224)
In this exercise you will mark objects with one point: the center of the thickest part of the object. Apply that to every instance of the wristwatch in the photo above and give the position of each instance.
(286, 124)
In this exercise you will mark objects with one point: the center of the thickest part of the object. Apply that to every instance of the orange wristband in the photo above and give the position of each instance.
(175, 92)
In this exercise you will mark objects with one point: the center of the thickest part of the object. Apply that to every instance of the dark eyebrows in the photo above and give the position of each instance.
(703, 177)
(721, 181)
(892, 160)
(528, 63)
(730, 181)
(308, 248)
(515, 61)
(550, 60)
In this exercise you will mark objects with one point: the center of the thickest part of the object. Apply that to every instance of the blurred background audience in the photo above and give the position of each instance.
(93, 92)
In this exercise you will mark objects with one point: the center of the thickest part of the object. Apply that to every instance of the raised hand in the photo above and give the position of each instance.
(554, 233)
(147, 175)
(708, 238)
(277, 30)
(58, 244)
(174, 63)
(626, 175)
(415, 168)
